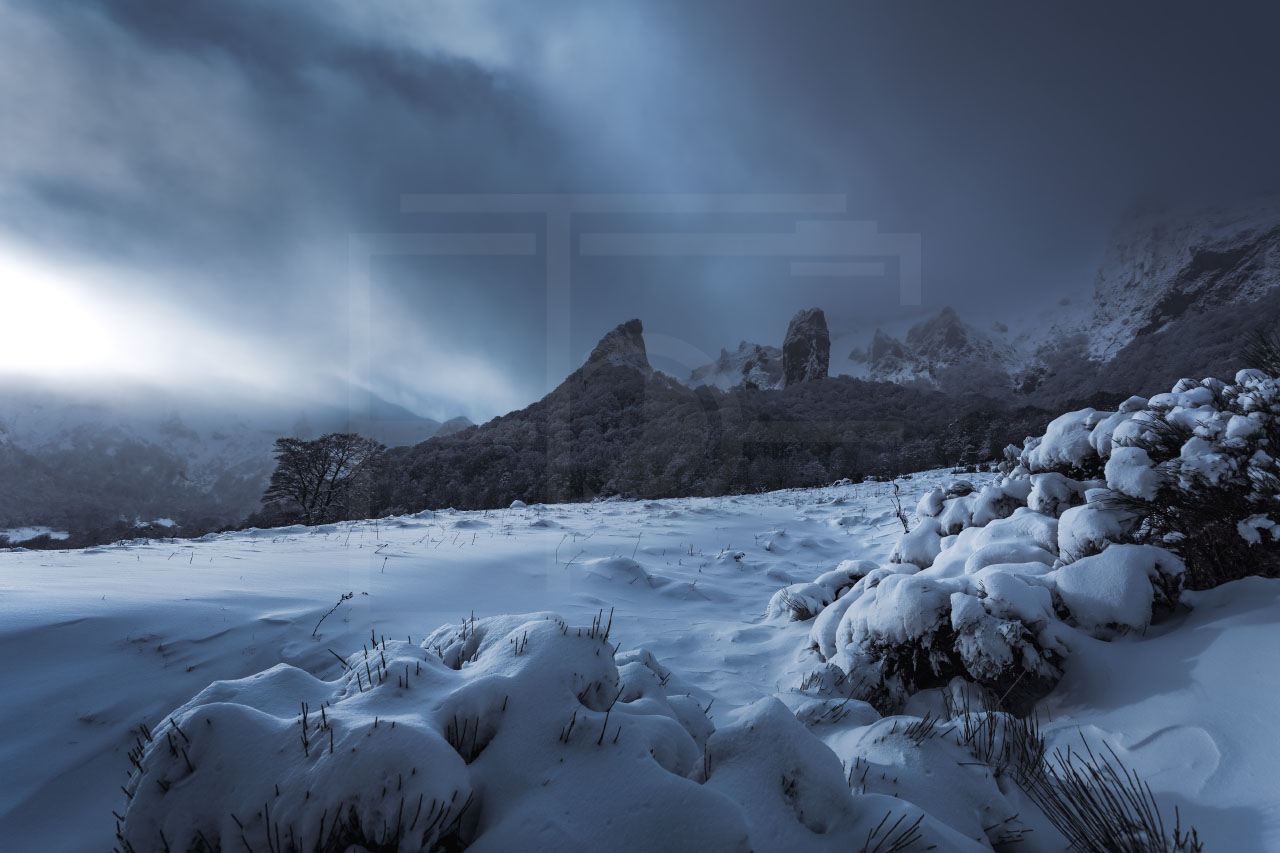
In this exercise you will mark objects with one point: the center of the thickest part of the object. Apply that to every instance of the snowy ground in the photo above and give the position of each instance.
(100, 640)
(22, 534)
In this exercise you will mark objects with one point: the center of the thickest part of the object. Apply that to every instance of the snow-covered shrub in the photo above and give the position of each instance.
(845, 575)
(1194, 470)
(913, 632)
(1065, 445)
(956, 515)
(993, 598)
(920, 546)
(919, 760)
(930, 503)
(999, 500)
(964, 762)
(1096, 527)
(1088, 529)
(799, 602)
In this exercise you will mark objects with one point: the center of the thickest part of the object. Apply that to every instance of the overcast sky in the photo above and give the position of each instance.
(180, 182)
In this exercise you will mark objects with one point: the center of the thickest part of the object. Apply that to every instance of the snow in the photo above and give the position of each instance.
(22, 534)
(1112, 590)
(704, 715)
(920, 546)
(135, 631)
(1190, 706)
(455, 722)
(1252, 529)
(1066, 442)
(1087, 529)
(930, 505)
(799, 602)
(1129, 470)
(1051, 493)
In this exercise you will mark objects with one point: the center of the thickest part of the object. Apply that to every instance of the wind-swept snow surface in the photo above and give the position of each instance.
(650, 696)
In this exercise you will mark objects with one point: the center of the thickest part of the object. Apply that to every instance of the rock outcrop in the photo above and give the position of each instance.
(806, 352)
(622, 347)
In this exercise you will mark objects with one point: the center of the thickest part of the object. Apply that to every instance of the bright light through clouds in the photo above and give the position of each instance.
(66, 322)
(51, 329)
(71, 323)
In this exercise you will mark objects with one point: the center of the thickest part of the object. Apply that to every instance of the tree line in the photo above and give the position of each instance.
(613, 431)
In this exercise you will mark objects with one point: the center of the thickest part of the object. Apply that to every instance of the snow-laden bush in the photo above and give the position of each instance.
(799, 602)
(1194, 470)
(993, 603)
(1096, 527)
(896, 634)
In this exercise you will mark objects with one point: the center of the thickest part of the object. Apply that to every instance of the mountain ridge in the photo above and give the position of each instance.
(1173, 293)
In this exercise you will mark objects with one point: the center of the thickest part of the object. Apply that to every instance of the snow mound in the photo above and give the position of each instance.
(1118, 589)
(515, 732)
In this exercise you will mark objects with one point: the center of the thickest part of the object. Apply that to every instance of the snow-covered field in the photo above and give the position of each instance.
(97, 642)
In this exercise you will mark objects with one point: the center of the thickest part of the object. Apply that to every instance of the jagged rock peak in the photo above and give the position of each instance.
(946, 334)
(935, 345)
(749, 366)
(884, 347)
(622, 347)
(806, 352)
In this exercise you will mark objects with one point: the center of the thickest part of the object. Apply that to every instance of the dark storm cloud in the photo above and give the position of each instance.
(219, 154)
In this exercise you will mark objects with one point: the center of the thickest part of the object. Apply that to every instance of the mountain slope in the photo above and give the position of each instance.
(1174, 296)
(614, 428)
(1159, 269)
(98, 464)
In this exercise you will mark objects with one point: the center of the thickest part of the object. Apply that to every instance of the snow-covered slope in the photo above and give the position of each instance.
(691, 749)
(1161, 267)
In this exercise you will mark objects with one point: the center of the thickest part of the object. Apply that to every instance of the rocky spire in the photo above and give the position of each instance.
(623, 347)
(806, 352)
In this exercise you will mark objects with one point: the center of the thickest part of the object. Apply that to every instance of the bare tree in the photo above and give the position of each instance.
(322, 477)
